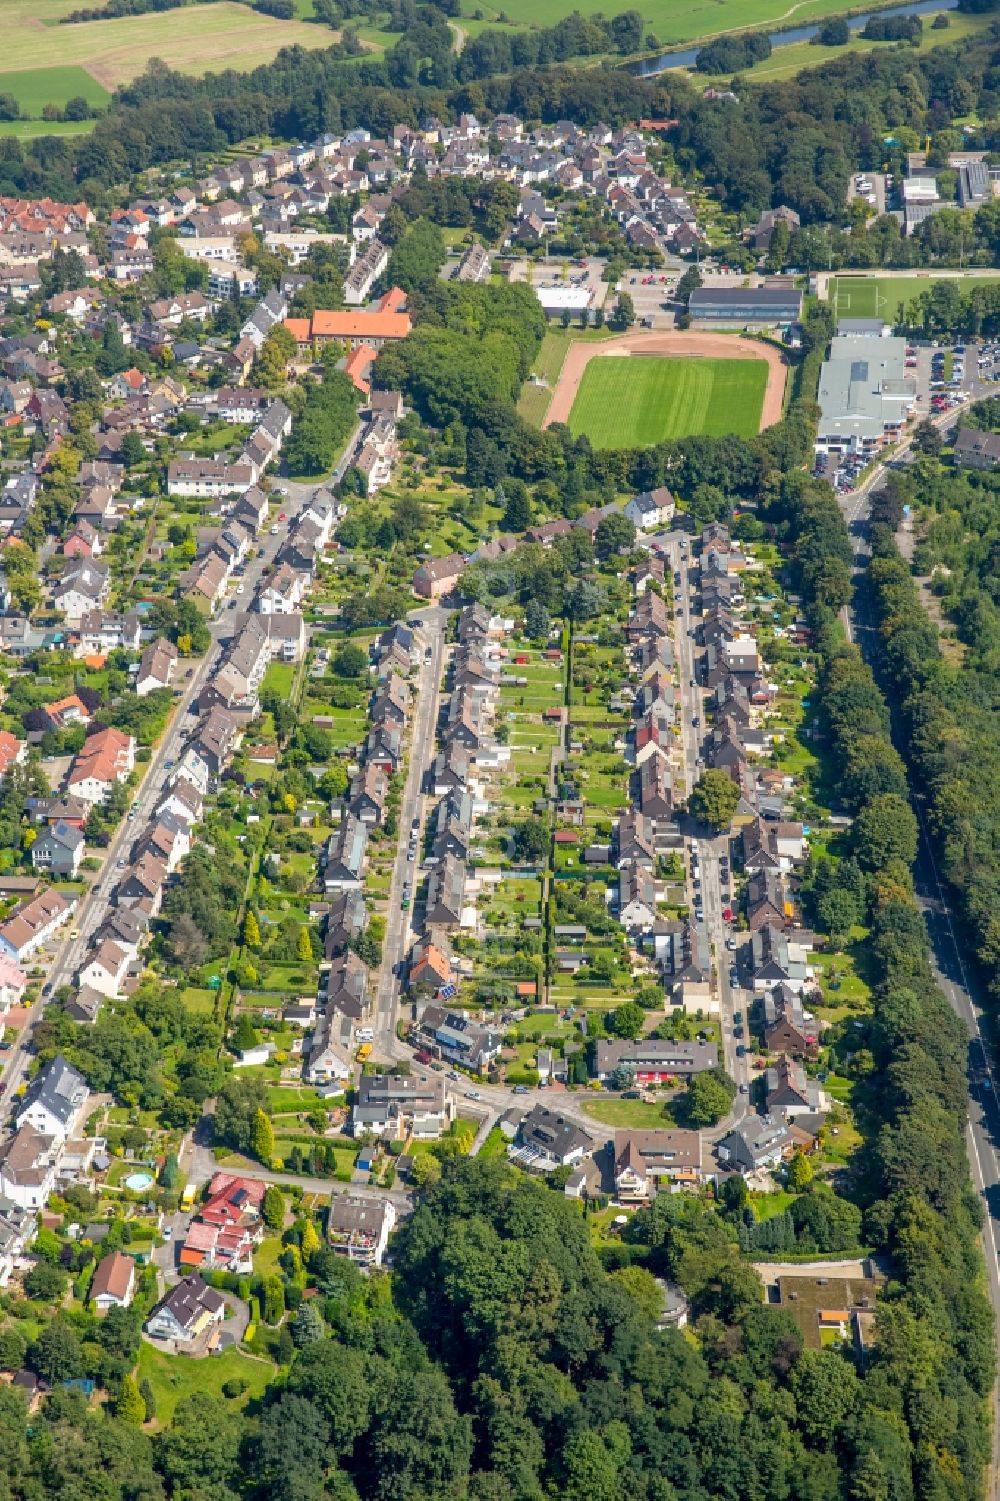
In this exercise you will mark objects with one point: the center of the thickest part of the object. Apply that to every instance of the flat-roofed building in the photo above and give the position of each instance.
(865, 394)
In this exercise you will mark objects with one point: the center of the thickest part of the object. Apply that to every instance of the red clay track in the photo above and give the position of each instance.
(675, 342)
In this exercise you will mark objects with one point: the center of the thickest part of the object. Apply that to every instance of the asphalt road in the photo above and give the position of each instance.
(958, 982)
(709, 850)
(92, 908)
(398, 929)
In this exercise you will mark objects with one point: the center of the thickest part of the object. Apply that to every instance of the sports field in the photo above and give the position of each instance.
(880, 296)
(632, 401)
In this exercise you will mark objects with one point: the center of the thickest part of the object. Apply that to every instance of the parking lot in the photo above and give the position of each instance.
(946, 375)
(651, 293)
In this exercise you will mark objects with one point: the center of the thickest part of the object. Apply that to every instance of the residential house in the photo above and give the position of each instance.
(651, 509)
(55, 1100)
(29, 1163)
(188, 1312)
(156, 667)
(546, 1140)
(84, 586)
(228, 1226)
(58, 851)
(105, 631)
(786, 1026)
(445, 894)
(789, 1093)
(430, 964)
(331, 1060)
(13, 983)
(396, 1106)
(757, 1142)
(359, 1228)
(113, 1284)
(344, 855)
(182, 801)
(367, 795)
(636, 897)
(457, 1038)
(107, 758)
(650, 1162)
(141, 885)
(346, 985)
(282, 592)
(773, 961)
(653, 1061)
(438, 576)
(17, 1228)
(656, 790)
(33, 923)
(106, 968)
(346, 920)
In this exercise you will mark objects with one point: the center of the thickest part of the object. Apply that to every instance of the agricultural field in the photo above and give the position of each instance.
(880, 296)
(668, 22)
(57, 61)
(631, 402)
(34, 88)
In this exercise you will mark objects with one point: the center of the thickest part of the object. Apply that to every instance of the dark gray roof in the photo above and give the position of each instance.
(58, 1088)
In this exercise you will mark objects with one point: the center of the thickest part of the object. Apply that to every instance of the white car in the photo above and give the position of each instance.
(241, 588)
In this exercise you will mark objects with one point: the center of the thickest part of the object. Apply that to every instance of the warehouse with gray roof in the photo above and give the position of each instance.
(865, 394)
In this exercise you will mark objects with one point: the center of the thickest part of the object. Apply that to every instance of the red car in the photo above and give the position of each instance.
(282, 517)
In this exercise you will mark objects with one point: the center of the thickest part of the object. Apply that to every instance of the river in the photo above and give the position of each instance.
(648, 66)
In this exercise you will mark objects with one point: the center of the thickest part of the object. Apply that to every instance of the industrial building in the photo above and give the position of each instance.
(865, 394)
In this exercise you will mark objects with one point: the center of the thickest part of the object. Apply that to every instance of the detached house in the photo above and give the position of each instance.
(58, 850)
(360, 1228)
(55, 1100)
(650, 1162)
(83, 587)
(114, 1283)
(190, 1310)
(438, 576)
(651, 509)
(106, 758)
(28, 1164)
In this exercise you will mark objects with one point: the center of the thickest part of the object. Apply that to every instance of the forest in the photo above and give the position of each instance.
(947, 690)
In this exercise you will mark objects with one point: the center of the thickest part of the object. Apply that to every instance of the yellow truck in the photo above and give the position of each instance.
(364, 1052)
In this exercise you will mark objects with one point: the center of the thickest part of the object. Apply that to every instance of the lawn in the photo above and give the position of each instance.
(113, 52)
(533, 401)
(280, 678)
(199, 1001)
(636, 1113)
(175, 1376)
(880, 296)
(786, 62)
(631, 402)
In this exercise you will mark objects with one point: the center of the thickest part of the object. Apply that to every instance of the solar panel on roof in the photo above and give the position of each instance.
(859, 370)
